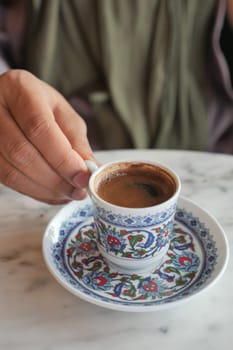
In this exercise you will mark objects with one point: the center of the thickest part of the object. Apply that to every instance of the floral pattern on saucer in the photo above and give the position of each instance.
(178, 270)
(190, 261)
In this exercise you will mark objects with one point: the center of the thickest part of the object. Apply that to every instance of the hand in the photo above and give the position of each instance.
(43, 141)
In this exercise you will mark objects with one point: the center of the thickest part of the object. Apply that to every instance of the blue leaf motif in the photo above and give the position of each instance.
(149, 241)
(184, 246)
(165, 276)
(118, 289)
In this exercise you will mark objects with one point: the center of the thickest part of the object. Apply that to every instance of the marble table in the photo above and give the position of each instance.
(37, 313)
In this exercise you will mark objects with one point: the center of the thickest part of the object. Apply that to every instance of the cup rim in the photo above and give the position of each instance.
(93, 193)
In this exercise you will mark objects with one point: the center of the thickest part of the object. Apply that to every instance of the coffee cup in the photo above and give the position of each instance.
(134, 203)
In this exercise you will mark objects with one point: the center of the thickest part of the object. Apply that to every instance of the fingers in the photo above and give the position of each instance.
(13, 178)
(21, 154)
(35, 108)
(16, 180)
(74, 128)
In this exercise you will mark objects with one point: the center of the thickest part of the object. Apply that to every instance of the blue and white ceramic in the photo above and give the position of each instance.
(196, 258)
(133, 240)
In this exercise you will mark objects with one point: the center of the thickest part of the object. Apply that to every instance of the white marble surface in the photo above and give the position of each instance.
(37, 313)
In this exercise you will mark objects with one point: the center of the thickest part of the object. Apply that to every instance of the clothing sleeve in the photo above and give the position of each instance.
(12, 33)
(220, 84)
(4, 65)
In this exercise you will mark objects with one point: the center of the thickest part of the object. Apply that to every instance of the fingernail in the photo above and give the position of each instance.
(78, 194)
(81, 179)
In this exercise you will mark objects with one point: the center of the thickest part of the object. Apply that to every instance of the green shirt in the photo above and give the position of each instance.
(140, 63)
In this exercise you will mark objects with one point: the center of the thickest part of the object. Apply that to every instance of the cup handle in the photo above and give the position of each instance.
(91, 165)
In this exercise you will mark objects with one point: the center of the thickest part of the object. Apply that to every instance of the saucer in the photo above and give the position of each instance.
(196, 258)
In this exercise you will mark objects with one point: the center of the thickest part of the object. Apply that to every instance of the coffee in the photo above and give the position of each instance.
(135, 185)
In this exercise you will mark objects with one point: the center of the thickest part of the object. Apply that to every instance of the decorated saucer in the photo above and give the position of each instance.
(196, 258)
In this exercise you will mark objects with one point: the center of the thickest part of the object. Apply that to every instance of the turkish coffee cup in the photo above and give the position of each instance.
(134, 204)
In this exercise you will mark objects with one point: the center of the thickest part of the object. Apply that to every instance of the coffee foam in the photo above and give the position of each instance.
(129, 169)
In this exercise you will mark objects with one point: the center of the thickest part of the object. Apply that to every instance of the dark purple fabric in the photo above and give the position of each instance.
(220, 110)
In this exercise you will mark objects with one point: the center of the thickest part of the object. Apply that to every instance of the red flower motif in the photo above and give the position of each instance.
(101, 281)
(113, 241)
(69, 251)
(151, 286)
(85, 233)
(86, 246)
(183, 260)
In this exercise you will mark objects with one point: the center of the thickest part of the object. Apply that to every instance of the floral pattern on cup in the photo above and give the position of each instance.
(134, 237)
(133, 243)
